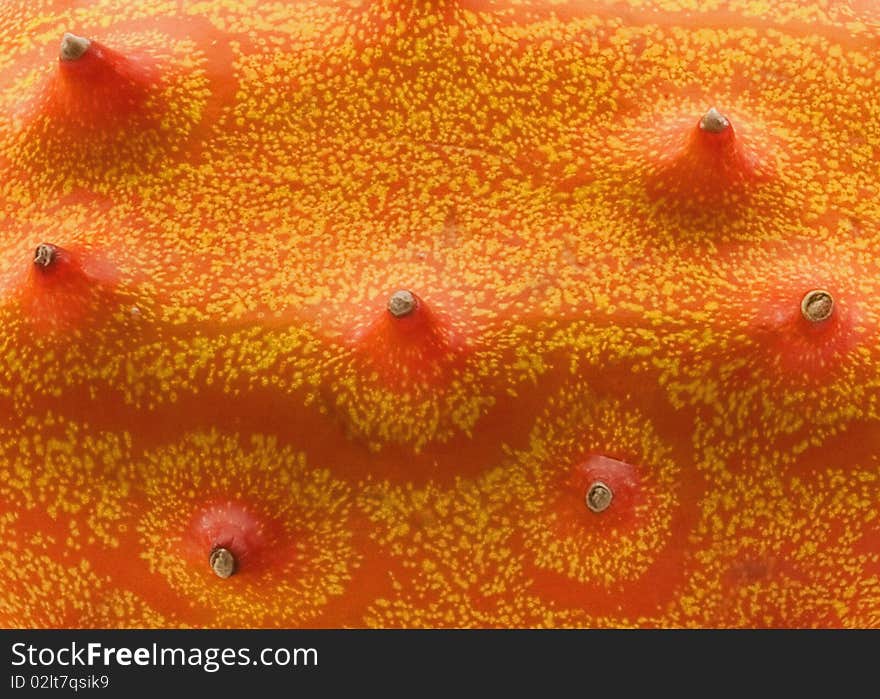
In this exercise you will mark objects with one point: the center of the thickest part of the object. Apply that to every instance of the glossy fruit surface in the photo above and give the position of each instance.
(439, 313)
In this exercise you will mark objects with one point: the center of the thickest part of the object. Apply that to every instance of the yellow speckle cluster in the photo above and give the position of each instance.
(309, 509)
(295, 163)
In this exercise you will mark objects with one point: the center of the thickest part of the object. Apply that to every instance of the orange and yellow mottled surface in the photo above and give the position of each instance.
(221, 362)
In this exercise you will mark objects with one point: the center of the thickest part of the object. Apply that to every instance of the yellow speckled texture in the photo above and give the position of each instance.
(524, 167)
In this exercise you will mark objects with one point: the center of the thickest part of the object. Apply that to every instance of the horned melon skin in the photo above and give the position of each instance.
(610, 217)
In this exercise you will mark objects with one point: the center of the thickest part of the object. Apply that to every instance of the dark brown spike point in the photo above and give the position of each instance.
(73, 46)
(222, 562)
(45, 255)
(599, 497)
(714, 121)
(401, 303)
(817, 306)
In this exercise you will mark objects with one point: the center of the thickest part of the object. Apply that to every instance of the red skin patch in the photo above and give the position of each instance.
(253, 541)
(418, 347)
(800, 345)
(620, 477)
(75, 286)
(692, 166)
